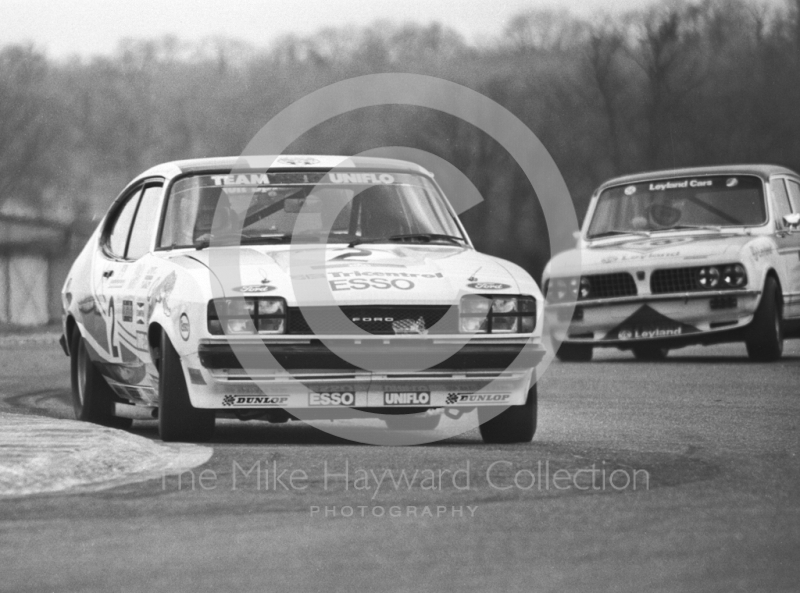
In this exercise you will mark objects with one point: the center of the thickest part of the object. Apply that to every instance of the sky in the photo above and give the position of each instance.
(88, 27)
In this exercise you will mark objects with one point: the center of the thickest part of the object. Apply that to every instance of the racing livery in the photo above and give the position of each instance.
(679, 257)
(308, 287)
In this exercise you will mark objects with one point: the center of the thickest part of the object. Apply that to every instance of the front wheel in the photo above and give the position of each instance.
(515, 424)
(764, 334)
(178, 420)
(92, 398)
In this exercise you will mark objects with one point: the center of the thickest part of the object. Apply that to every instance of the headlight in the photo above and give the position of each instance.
(721, 277)
(558, 290)
(586, 288)
(247, 315)
(734, 276)
(708, 277)
(497, 314)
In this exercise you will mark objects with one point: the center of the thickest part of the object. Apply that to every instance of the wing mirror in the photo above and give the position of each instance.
(792, 220)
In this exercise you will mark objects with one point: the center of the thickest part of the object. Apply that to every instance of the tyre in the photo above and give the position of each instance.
(178, 420)
(574, 352)
(413, 421)
(92, 399)
(764, 334)
(515, 424)
(650, 352)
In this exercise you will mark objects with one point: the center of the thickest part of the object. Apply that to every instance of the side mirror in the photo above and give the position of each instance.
(792, 220)
(577, 235)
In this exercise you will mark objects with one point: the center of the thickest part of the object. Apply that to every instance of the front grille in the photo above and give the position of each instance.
(378, 320)
(604, 286)
(674, 280)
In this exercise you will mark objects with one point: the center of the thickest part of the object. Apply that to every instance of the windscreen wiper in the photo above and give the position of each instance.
(426, 237)
(701, 227)
(619, 232)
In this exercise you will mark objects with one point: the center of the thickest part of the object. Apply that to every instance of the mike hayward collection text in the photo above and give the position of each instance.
(342, 476)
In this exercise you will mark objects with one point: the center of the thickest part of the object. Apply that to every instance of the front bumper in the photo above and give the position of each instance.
(685, 318)
(312, 375)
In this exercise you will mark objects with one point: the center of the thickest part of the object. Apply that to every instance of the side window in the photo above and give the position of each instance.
(794, 195)
(782, 207)
(145, 224)
(118, 235)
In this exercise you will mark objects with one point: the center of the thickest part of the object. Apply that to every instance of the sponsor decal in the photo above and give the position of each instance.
(648, 333)
(254, 401)
(298, 160)
(148, 278)
(254, 288)
(140, 313)
(116, 283)
(731, 182)
(362, 178)
(252, 179)
(366, 283)
(183, 326)
(127, 310)
(161, 294)
(332, 398)
(665, 185)
(141, 341)
(759, 252)
(648, 324)
(406, 398)
(630, 190)
(488, 286)
(476, 398)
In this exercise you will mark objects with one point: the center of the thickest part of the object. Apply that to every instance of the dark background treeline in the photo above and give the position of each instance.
(682, 84)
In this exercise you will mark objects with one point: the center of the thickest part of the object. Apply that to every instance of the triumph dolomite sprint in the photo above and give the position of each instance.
(680, 257)
(156, 328)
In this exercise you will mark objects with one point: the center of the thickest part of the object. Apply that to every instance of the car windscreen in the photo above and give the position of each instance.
(658, 205)
(309, 207)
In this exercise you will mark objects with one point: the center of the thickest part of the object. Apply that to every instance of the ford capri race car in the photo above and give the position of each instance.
(689, 256)
(308, 287)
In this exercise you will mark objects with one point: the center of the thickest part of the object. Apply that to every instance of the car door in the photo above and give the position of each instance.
(788, 247)
(791, 252)
(109, 268)
(132, 321)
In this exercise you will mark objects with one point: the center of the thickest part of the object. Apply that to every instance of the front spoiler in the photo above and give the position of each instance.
(395, 357)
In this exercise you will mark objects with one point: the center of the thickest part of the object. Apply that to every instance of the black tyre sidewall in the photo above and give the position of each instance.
(178, 420)
(99, 398)
(765, 342)
(514, 424)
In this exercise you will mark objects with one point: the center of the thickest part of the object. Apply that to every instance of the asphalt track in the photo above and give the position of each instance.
(711, 439)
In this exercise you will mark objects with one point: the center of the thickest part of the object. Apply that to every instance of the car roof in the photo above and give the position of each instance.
(281, 162)
(763, 171)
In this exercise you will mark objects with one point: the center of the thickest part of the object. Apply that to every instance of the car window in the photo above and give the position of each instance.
(118, 235)
(782, 207)
(145, 223)
(794, 195)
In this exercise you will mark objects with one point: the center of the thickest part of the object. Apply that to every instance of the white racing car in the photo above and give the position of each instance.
(296, 287)
(680, 257)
